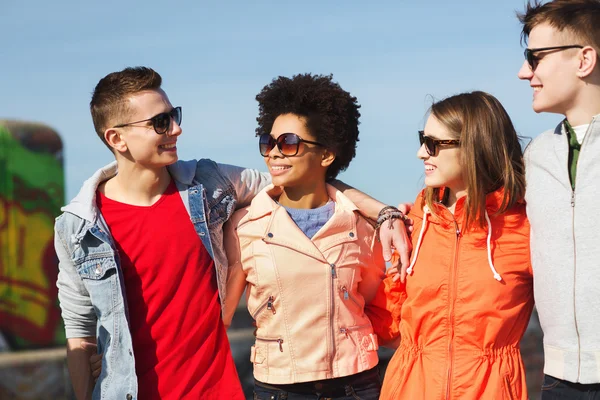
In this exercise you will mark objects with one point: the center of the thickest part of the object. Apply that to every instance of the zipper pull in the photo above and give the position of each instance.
(346, 296)
(333, 274)
(573, 199)
(270, 305)
(344, 331)
(280, 341)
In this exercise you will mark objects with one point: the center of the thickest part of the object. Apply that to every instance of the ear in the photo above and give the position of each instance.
(115, 140)
(587, 61)
(328, 157)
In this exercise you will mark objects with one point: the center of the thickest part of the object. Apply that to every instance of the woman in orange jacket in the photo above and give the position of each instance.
(468, 296)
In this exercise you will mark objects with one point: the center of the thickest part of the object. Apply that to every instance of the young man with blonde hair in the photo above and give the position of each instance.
(142, 267)
(563, 178)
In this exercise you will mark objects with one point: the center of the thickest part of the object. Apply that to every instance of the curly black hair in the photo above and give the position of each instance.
(331, 113)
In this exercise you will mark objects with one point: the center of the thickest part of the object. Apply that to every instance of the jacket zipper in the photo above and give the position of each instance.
(268, 304)
(278, 340)
(332, 347)
(575, 283)
(348, 296)
(587, 134)
(454, 283)
(346, 331)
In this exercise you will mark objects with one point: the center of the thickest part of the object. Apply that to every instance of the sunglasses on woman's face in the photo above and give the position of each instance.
(287, 143)
(431, 144)
(160, 122)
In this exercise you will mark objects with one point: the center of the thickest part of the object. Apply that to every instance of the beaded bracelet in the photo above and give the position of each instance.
(389, 213)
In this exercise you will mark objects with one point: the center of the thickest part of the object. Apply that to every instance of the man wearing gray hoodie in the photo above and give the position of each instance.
(563, 178)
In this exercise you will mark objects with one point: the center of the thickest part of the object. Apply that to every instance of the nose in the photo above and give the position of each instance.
(525, 72)
(422, 153)
(275, 153)
(175, 129)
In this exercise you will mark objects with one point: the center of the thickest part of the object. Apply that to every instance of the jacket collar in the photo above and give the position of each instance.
(263, 204)
(493, 202)
(280, 229)
(84, 204)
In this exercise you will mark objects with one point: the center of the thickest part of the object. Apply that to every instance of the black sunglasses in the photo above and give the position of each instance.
(532, 60)
(431, 144)
(160, 122)
(287, 143)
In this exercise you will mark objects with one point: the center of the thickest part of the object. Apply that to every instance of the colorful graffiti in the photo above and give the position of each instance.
(31, 193)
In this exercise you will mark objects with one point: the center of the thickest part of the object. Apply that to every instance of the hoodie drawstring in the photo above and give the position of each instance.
(426, 211)
(409, 270)
(489, 249)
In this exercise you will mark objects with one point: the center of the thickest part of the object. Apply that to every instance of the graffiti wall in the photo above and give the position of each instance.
(31, 193)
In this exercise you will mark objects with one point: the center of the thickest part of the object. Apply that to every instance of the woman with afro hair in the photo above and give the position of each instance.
(308, 261)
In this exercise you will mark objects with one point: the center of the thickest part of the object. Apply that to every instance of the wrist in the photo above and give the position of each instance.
(389, 213)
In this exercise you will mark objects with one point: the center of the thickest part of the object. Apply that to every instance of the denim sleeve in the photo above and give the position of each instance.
(75, 303)
(246, 182)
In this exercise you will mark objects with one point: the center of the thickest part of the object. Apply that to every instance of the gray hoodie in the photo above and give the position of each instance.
(565, 251)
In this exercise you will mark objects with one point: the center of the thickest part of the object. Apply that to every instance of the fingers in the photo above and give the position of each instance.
(405, 207)
(96, 365)
(95, 358)
(387, 249)
(403, 273)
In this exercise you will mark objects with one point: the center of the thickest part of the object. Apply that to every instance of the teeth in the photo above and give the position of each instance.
(429, 168)
(279, 167)
(167, 146)
(537, 88)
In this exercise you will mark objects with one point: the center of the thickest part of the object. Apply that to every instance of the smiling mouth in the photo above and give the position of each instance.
(430, 168)
(167, 146)
(279, 167)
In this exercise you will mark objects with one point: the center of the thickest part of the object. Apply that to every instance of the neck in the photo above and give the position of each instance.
(588, 105)
(305, 197)
(453, 197)
(136, 185)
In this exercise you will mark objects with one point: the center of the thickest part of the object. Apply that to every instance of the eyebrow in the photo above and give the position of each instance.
(432, 136)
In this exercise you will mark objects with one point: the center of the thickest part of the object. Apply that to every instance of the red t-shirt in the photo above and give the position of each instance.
(179, 341)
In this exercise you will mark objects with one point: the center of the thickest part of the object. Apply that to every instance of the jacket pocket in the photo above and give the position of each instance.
(220, 208)
(362, 336)
(270, 352)
(267, 305)
(351, 299)
(100, 279)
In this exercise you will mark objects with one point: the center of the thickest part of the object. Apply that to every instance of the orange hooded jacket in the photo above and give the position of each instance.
(463, 309)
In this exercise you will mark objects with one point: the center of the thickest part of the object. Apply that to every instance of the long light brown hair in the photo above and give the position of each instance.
(491, 154)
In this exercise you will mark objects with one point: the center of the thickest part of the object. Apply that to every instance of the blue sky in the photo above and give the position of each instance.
(215, 56)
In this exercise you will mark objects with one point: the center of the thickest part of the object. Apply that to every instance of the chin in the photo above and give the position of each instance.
(433, 183)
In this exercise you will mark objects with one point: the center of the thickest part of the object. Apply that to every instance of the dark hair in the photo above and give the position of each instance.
(580, 18)
(109, 100)
(491, 152)
(331, 113)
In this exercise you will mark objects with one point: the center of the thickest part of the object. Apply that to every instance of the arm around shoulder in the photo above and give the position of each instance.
(246, 182)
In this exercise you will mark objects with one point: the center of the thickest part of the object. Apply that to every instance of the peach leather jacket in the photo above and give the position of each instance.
(306, 296)
(465, 307)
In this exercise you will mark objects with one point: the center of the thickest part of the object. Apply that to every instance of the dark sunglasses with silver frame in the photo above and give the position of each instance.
(287, 143)
(431, 144)
(160, 122)
(532, 60)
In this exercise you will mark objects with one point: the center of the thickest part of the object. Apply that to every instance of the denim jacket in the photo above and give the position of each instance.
(90, 280)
